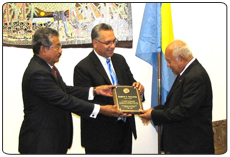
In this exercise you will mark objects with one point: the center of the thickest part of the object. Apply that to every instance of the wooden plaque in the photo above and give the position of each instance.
(127, 99)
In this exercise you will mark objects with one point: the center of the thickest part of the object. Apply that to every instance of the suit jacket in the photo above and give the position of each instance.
(187, 114)
(103, 133)
(48, 103)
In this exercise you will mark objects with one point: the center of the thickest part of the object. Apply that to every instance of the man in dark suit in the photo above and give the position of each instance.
(48, 101)
(186, 115)
(105, 135)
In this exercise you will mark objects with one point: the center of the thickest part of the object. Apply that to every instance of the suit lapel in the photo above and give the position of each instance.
(58, 79)
(178, 80)
(46, 66)
(99, 67)
(116, 67)
(174, 87)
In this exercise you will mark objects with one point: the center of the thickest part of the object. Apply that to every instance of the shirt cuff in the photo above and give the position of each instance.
(91, 96)
(95, 112)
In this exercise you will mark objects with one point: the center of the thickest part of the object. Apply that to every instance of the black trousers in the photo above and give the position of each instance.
(124, 147)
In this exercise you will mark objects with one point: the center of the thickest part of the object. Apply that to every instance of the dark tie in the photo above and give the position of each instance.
(178, 78)
(54, 71)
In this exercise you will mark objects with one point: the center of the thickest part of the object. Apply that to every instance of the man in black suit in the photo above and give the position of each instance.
(48, 101)
(186, 115)
(105, 135)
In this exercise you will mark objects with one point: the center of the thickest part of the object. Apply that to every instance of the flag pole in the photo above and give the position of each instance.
(159, 97)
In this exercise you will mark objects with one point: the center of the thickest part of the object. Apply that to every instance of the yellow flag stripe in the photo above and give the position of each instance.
(166, 26)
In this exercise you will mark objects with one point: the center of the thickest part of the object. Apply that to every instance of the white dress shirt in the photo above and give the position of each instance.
(105, 65)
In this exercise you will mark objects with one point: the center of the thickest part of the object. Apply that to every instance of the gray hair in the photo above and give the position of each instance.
(95, 33)
(182, 50)
(42, 37)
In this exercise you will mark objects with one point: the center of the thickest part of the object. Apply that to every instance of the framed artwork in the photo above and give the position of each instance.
(73, 21)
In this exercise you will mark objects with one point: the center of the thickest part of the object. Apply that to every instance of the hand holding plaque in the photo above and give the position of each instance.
(127, 99)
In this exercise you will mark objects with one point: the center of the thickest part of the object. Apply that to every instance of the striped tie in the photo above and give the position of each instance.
(112, 73)
(55, 73)
(114, 80)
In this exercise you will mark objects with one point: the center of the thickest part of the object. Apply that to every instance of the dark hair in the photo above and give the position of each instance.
(42, 37)
(95, 33)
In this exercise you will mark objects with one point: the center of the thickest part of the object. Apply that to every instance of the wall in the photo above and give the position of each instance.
(201, 25)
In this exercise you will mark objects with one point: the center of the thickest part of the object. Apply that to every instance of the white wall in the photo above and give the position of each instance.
(201, 25)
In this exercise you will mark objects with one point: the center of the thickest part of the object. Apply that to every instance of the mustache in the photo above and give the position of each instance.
(59, 54)
(111, 49)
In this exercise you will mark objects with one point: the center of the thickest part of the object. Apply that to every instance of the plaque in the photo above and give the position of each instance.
(127, 99)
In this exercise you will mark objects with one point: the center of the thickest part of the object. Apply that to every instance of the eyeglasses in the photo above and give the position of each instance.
(109, 43)
(57, 48)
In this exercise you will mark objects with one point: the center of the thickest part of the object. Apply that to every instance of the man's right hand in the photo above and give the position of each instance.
(146, 115)
(112, 111)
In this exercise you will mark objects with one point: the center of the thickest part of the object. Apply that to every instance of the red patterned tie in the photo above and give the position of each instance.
(54, 71)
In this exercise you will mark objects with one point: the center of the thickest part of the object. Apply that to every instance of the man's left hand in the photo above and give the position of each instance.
(139, 86)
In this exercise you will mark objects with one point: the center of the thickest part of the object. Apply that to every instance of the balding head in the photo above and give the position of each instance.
(178, 55)
(179, 48)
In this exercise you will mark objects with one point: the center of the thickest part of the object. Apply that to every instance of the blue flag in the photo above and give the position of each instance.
(153, 34)
(149, 43)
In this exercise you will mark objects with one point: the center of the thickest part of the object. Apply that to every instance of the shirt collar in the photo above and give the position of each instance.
(187, 65)
(50, 66)
(101, 58)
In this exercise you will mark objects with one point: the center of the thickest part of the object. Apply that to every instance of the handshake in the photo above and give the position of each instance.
(109, 110)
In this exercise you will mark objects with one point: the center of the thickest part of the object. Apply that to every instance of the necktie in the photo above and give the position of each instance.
(112, 73)
(178, 78)
(114, 80)
(54, 71)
